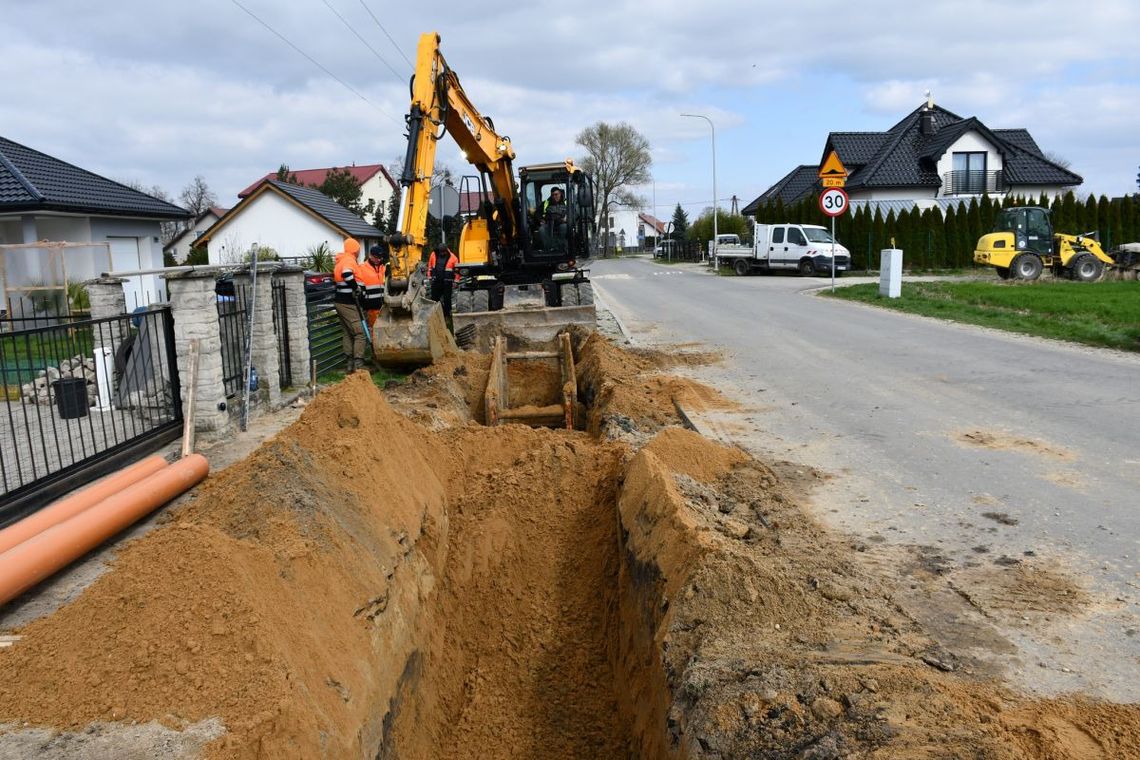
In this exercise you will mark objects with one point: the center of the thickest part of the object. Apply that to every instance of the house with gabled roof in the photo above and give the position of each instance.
(931, 155)
(62, 224)
(290, 219)
(376, 183)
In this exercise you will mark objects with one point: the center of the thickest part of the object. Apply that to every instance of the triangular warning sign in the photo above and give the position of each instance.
(832, 167)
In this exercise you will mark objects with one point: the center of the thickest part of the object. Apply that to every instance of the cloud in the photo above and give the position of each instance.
(163, 91)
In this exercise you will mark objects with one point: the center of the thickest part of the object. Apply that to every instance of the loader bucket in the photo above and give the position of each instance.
(530, 324)
(415, 339)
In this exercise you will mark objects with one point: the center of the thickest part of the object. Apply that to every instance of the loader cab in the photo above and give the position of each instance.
(1031, 227)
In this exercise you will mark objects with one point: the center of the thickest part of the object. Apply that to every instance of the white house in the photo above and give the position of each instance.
(180, 246)
(61, 224)
(931, 157)
(290, 219)
(376, 184)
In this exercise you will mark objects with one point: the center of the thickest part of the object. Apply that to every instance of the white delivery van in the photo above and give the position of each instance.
(804, 248)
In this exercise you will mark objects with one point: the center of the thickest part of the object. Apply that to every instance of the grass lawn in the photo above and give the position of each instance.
(1097, 314)
(380, 377)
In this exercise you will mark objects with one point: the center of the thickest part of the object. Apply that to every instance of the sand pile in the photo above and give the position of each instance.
(770, 640)
(624, 390)
(282, 600)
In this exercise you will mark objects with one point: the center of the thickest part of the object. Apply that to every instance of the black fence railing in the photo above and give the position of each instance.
(681, 250)
(281, 331)
(80, 399)
(963, 182)
(324, 331)
(233, 320)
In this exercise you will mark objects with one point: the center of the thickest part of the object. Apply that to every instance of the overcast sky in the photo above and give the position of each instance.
(160, 91)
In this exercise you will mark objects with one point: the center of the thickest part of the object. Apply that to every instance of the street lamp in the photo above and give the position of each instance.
(713, 128)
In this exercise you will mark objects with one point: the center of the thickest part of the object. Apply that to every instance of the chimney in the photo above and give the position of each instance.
(926, 122)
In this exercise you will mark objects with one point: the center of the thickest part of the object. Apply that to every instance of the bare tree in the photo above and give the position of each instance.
(168, 230)
(1058, 159)
(618, 157)
(196, 197)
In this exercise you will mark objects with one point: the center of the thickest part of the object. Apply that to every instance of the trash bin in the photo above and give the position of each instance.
(70, 397)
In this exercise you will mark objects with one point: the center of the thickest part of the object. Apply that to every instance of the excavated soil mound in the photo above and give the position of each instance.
(624, 391)
(283, 599)
(770, 640)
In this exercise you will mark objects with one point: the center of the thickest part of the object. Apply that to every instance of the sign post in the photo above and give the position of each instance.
(834, 202)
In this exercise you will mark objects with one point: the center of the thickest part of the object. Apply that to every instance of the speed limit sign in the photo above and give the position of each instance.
(833, 201)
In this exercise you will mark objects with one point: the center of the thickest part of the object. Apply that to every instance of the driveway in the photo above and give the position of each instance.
(996, 476)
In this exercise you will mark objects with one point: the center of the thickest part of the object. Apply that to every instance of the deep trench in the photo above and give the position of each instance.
(535, 643)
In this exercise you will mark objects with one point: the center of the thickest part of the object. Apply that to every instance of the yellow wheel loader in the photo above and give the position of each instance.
(1023, 244)
(509, 238)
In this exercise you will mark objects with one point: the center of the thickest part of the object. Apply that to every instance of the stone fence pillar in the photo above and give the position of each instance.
(108, 299)
(194, 307)
(263, 347)
(297, 318)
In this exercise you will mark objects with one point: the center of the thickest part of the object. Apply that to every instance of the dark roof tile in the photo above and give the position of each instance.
(32, 181)
(796, 184)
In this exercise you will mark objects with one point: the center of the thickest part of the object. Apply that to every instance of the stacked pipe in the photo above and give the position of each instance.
(43, 543)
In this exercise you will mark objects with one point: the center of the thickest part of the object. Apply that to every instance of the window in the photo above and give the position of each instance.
(778, 235)
(970, 172)
(795, 237)
(816, 235)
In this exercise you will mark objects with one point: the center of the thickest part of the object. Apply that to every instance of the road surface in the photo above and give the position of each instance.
(997, 476)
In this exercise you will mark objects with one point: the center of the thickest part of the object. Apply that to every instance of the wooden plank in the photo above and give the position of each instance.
(554, 411)
(569, 380)
(535, 355)
(496, 380)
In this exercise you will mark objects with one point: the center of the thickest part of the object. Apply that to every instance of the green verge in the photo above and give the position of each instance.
(1098, 314)
(380, 377)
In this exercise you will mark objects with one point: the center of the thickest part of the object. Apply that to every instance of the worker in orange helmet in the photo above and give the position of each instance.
(442, 268)
(347, 309)
(370, 275)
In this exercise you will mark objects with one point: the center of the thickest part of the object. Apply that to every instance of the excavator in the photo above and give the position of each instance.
(1023, 244)
(507, 240)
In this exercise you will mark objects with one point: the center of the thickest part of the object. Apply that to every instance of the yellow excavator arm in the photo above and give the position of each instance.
(439, 105)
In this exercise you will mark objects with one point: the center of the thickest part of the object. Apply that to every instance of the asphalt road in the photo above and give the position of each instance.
(895, 408)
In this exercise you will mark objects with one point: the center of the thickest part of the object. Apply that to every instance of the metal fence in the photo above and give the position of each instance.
(233, 320)
(80, 399)
(281, 331)
(324, 331)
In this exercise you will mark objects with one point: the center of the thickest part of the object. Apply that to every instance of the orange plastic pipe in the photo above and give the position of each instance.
(26, 564)
(71, 505)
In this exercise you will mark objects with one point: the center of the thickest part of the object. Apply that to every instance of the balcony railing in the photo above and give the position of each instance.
(962, 182)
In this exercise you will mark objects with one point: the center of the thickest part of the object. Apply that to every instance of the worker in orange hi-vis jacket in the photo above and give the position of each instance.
(347, 310)
(370, 274)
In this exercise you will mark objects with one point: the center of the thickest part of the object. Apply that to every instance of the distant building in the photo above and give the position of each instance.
(932, 155)
(180, 246)
(376, 184)
(290, 219)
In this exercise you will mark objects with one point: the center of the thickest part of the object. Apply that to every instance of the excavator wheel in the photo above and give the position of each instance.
(468, 301)
(1086, 268)
(1026, 267)
(577, 294)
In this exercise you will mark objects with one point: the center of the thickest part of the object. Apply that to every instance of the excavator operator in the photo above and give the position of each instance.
(554, 217)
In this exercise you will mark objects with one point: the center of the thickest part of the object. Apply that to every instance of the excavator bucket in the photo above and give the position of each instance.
(412, 338)
(524, 315)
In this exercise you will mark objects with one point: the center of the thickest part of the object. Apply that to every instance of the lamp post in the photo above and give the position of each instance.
(713, 128)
